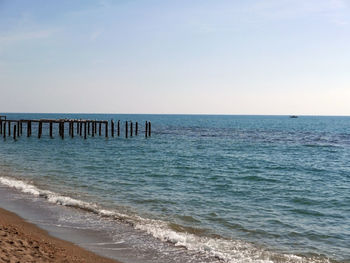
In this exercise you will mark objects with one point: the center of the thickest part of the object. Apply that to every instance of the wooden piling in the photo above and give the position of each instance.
(50, 129)
(4, 131)
(0, 126)
(85, 130)
(28, 129)
(146, 127)
(88, 124)
(62, 128)
(118, 131)
(112, 128)
(106, 129)
(20, 128)
(9, 129)
(14, 132)
(72, 129)
(136, 128)
(126, 129)
(93, 129)
(40, 127)
(80, 128)
(99, 128)
(149, 129)
(131, 128)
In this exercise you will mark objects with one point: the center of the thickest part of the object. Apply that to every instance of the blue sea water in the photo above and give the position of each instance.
(232, 188)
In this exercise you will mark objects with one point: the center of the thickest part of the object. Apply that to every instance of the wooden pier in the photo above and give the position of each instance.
(73, 127)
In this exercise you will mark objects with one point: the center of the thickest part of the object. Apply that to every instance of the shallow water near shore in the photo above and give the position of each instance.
(201, 189)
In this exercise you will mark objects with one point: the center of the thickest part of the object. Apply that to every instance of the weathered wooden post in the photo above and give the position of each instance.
(28, 129)
(88, 124)
(0, 126)
(136, 128)
(85, 130)
(14, 132)
(112, 128)
(126, 129)
(4, 133)
(62, 128)
(80, 127)
(69, 128)
(149, 129)
(99, 128)
(50, 129)
(106, 129)
(40, 126)
(20, 128)
(146, 127)
(17, 129)
(9, 128)
(93, 129)
(118, 131)
(72, 129)
(131, 128)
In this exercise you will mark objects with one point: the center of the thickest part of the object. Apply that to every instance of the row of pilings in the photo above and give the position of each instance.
(76, 127)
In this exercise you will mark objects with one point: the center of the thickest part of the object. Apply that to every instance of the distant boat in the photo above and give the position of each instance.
(293, 116)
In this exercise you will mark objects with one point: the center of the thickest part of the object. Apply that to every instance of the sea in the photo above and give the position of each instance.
(202, 188)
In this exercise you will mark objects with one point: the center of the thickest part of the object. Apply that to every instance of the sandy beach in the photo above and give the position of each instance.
(21, 241)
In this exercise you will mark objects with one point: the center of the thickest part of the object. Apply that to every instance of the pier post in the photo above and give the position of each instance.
(20, 128)
(17, 129)
(40, 126)
(93, 129)
(0, 126)
(50, 129)
(99, 128)
(131, 128)
(149, 129)
(28, 129)
(118, 130)
(106, 129)
(88, 124)
(146, 127)
(4, 132)
(62, 128)
(112, 128)
(126, 129)
(136, 128)
(85, 131)
(9, 128)
(80, 127)
(14, 132)
(72, 129)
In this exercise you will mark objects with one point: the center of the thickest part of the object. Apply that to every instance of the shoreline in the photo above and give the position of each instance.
(21, 241)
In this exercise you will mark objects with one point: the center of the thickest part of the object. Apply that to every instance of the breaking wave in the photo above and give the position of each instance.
(225, 250)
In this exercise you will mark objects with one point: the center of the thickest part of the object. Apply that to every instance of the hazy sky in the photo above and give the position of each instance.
(204, 56)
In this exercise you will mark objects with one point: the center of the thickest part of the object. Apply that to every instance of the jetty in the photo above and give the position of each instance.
(73, 127)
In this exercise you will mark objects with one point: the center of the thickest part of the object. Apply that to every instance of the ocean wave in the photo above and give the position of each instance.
(225, 250)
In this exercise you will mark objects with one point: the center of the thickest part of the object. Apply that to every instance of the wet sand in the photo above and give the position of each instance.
(21, 241)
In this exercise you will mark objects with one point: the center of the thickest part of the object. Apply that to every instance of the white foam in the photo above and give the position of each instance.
(227, 250)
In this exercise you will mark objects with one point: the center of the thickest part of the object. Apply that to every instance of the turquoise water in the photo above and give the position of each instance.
(238, 188)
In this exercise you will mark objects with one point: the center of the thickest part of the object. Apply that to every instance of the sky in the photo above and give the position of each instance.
(277, 57)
